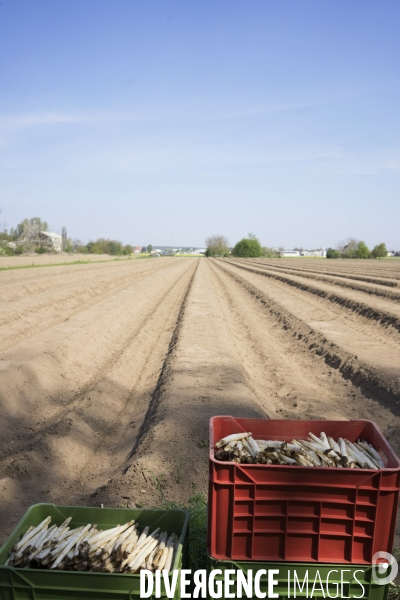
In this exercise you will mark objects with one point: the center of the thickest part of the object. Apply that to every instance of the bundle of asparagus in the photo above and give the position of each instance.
(316, 451)
(86, 548)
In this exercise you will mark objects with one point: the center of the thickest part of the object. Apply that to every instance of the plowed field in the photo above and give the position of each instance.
(109, 371)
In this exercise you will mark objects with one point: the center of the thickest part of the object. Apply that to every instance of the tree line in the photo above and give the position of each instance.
(353, 248)
(26, 238)
(250, 247)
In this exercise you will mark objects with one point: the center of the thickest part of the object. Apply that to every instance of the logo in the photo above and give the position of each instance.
(387, 564)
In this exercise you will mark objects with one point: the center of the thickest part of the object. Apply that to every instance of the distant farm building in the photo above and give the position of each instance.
(50, 241)
(319, 252)
(137, 249)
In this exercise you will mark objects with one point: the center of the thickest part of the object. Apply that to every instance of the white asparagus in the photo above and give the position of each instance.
(249, 449)
(138, 560)
(164, 556)
(32, 533)
(250, 440)
(315, 458)
(312, 446)
(361, 454)
(231, 438)
(122, 538)
(293, 447)
(372, 453)
(369, 456)
(286, 459)
(86, 540)
(140, 547)
(29, 542)
(168, 562)
(334, 445)
(96, 546)
(109, 533)
(319, 442)
(355, 456)
(324, 440)
(316, 451)
(39, 540)
(130, 542)
(133, 544)
(47, 535)
(160, 550)
(342, 445)
(71, 543)
(303, 461)
(47, 550)
(269, 444)
(150, 559)
(325, 459)
(332, 454)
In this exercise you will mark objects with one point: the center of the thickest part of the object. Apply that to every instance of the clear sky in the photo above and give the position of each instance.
(165, 121)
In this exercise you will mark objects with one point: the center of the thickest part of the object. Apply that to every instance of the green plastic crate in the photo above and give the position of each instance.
(36, 584)
(372, 591)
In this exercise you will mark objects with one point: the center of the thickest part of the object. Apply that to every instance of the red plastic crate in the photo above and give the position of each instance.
(291, 513)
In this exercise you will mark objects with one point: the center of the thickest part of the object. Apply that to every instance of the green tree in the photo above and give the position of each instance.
(149, 248)
(348, 248)
(363, 250)
(114, 248)
(270, 253)
(217, 245)
(30, 228)
(127, 250)
(64, 239)
(248, 247)
(379, 251)
(332, 253)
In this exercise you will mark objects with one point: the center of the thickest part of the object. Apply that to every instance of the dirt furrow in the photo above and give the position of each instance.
(329, 272)
(202, 376)
(373, 289)
(367, 362)
(109, 400)
(26, 317)
(96, 336)
(239, 352)
(364, 269)
(13, 289)
(49, 457)
(384, 314)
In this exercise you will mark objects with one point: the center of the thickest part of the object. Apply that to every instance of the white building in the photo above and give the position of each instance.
(290, 253)
(319, 252)
(53, 240)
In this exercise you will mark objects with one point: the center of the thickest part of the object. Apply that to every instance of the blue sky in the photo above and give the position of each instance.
(166, 121)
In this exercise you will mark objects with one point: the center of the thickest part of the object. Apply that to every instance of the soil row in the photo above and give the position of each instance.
(111, 405)
(375, 287)
(383, 312)
(74, 396)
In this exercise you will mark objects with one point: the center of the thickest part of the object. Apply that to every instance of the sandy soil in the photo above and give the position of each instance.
(110, 372)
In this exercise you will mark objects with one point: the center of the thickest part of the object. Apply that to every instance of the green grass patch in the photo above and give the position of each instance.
(394, 591)
(197, 507)
(394, 587)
